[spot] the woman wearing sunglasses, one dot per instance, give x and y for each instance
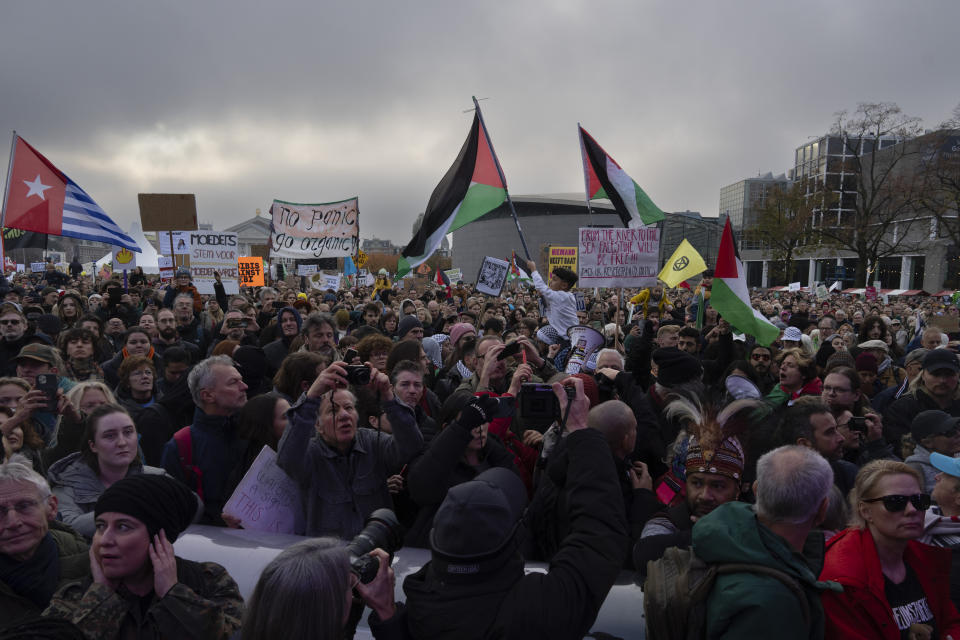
(893, 586)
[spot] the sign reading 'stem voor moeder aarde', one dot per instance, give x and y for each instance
(328, 230)
(214, 252)
(618, 257)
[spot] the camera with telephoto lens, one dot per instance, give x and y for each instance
(358, 374)
(382, 531)
(538, 402)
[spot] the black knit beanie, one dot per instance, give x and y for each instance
(158, 501)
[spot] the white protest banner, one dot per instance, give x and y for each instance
(618, 257)
(181, 242)
(822, 293)
(454, 275)
(306, 269)
(88, 268)
(266, 499)
(793, 286)
(493, 273)
(328, 230)
(369, 280)
(835, 286)
(214, 251)
(38, 267)
(332, 282)
(123, 259)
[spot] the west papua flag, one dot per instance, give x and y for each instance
(41, 198)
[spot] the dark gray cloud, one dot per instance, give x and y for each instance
(243, 102)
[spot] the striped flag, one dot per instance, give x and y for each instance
(41, 198)
(470, 189)
(517, 272)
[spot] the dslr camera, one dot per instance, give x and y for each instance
(538, 402)
(358, 375)
(383, 531)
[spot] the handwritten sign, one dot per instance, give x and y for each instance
(214, 251)
(561, 257)
(266, 499)
(329, 230)
(454, 275)
(165, 264)
(250, 272)
(618, 257)
(306, 269)
(793, 286)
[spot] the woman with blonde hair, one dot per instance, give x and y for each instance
(893, 586)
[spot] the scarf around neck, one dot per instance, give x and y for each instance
(35, 579)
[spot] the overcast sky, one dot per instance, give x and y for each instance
(242, 102)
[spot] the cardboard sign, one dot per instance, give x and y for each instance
(167, 211)
(266, 499)
(332, 282)
(306, 269)
(214, 251)
(492, 276)
(793, 286)
(181, 242)
(123, 259)
(947, 324)
(455, 275)
(361, 260)
(250, 272)
(37, 267)
(618, 257)
(561, 257)
(329, 230)
(165, 264)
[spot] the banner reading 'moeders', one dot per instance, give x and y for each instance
(618, 257)
(328, 230)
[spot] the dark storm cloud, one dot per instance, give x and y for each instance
(244, 102)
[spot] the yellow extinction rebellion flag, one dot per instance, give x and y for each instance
(684, 263)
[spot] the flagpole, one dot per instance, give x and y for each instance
(586, 180)
(496, 161)
(6, 197)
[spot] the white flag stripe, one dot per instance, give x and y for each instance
(624, 186)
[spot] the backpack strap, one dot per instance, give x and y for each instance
(184, 440)
(787, 580)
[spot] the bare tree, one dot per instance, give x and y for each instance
(876, 198)
(783, 227)
(941, 173)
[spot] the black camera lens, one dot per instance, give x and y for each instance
(382, 531)
(358, 375)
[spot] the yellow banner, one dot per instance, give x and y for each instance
(561, 257)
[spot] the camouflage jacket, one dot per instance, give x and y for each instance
(204, 604)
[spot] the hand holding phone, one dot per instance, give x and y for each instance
(49, 383)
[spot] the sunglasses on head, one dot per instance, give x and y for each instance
(897, 503)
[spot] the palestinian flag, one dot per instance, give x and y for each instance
(443, 281)
(471, 188)
(517, 273)
(605, 179)
(729, 296)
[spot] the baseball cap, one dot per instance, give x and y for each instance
(916, 354)
(950, 466)
(941, 359)
(38, 352)
(478, 519)
(932, 422)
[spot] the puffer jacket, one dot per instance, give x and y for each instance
(861, 611)
(78, 487)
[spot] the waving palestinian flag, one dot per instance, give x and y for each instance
(605, 179)
(471, 188)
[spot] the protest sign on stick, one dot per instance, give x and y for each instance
(214, 251)
(561, 257)
(618, 257)
(266, 498)
(328, 230)
(250, 272)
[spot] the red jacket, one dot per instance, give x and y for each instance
(862, 610)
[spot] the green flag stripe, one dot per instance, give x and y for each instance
(479, 200)
(648, 211)
(740, 314)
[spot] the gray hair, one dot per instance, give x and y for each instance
(265, 290)
(201, 376)
(614, 352)
(301, 593)
(19, 469)
(188, 296)
(317, 320)
(792, 482)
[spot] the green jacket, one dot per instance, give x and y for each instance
(74, 565)
(747, 605)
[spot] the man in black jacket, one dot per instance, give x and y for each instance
(475, 586)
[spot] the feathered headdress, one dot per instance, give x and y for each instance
(711, 438)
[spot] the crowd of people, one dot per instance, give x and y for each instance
(818, 473)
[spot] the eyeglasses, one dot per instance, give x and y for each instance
(827, 389)
(759, 356)
(24, 508)
(897, 503)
